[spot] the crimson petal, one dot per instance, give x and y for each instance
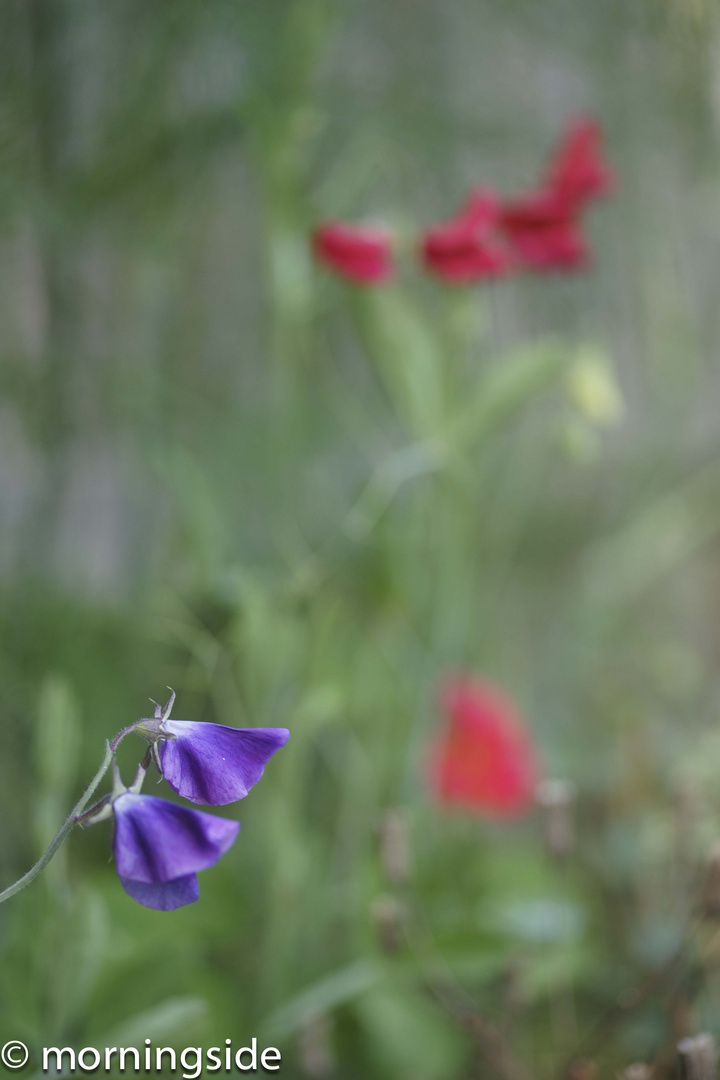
(362, 254)
(484, 761)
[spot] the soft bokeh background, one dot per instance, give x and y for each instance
(224, 471)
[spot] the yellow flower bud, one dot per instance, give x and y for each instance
(593, 389)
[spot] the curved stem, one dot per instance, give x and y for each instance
(70, 821)
(121, 735)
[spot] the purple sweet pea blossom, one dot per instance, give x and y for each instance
(212, 764)
(159, 847)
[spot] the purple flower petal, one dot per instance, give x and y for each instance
(157, 841)
(163, 896)
(213, 764)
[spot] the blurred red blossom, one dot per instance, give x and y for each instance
(487, 238)
(543, 226)
(577, 170)
(362, 254)
(467, 247)
(544, 232)
(485, 760)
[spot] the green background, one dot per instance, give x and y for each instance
(302, 504)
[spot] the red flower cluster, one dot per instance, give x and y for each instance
(544, 227)
(484, 761)
(490, 237)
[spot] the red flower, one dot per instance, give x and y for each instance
(466, 248)
(544, 232)
(359, 253)
(485, 760)
(543, 227)
(577, 170)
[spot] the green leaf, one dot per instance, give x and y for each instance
(328, 993)
(157, 1024)
(508, 387)
(57, 746)
(161, 1022)
(71, 971)
(57, 739)
(407, 355)
(408, 1036)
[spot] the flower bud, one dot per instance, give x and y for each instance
(388, 916)
(395, 852)
(556, 798)
(593, 390)
(637, 1071)
(513, 985)
(710, 896)
(583, 1070)
(315, 1050)
(362, 254)
(700, 1055)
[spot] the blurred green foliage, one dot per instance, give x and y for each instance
(301, 504)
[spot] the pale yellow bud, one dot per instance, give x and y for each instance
(593, 389)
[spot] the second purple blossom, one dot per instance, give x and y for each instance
(159, 848)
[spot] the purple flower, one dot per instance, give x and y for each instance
(159, 847)
(213, 764)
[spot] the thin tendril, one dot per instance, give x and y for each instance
(70, 821)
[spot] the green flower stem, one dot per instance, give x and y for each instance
(70, 821)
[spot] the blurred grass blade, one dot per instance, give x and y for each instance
(512, 383)
(328, 993)
(161, 1022)
(73, 967)
(57, 747)
(198, 506)
(408, 357)
(409, 1036)
(657, 541)
(420, 459)
(57, 738)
